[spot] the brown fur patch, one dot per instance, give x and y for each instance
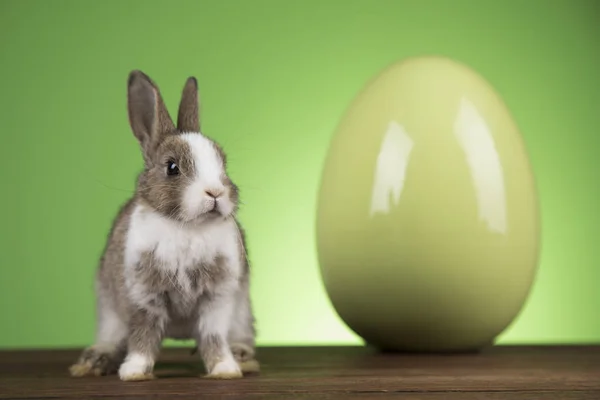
(199, 279)
(97, 362)
(193, 276)
(188, 118)
(162, 192)
(146, 333)
(211, 350)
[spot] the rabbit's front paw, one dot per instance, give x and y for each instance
(137, 367)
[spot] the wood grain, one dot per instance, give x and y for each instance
(501, 372)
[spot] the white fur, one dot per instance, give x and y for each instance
(226, 367)
(135, 364)
(216, 315)
(240, 331)
(111, 328)
(177, 246)
(209, 169)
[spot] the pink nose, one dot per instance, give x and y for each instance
(214, 193)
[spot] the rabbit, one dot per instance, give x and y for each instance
(175, 264)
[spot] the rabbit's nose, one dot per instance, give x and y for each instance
(213, 192)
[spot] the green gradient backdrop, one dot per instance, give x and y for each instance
(275, 77)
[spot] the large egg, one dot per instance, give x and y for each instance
(427, 221)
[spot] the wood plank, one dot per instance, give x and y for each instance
(593, 395)
(515, 372)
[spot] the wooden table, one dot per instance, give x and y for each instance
(326, 373)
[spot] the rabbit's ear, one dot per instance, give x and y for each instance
(188, 118)
(148, 116)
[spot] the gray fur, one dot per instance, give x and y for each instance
(172, 304)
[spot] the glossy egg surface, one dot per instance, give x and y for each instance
(427, 220)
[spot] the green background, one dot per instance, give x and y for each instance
(275, 77)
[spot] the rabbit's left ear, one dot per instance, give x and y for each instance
(188, 118)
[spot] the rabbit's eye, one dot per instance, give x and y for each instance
(172, 168)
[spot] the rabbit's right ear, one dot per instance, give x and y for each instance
(188, 117)
(148, 116)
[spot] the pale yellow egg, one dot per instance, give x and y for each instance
(428, 222)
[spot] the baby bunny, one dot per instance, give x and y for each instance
(175, 264)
